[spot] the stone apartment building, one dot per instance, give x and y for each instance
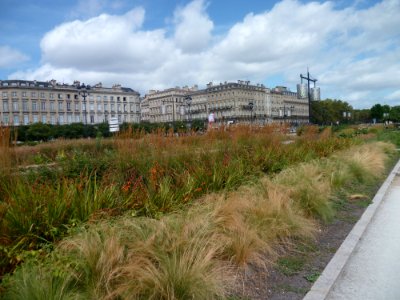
(26, 102)
(233, 102)
(168, 105)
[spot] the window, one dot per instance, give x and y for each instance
(105, 106)
(14, 94)
(68, 106)
(15, 106)
(125, 107)
(43, 106)
(60, 96)
(16, 120)
(76, 97)
(98, 106)
(91, 106)
(69, 119)
(34, 106)
(76, 106)
(5, 95)
(112, 107)
(77, 118)
(83, 106)
(119, 119)
(33, 94)
(118, 98)
(44, 119)
(51, 96)
(105, 98)
(26, 119)
(42, 95)
(35, 119)
(91, 119)
(25, 105)
(98, 98)
(5, 106)
(6, 119)
(52, 107)
(61, 119)
(124, 99)
(91, 97)
(24, 94)
(112, 98)
(68, 96)
(119, 107)
(53, 119)
(60, 106)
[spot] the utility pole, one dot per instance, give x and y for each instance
(308, 78)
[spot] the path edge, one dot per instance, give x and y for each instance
(327, 279)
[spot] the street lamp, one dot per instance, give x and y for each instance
(83, 90)
(188, 100)
(251, 106)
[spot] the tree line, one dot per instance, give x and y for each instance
(333, 111)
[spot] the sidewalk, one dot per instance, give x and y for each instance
(367, 265)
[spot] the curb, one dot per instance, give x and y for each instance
(327, 279)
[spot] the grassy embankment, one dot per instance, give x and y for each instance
(186, 253)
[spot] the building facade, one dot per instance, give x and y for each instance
(169, 105)
(27, 102)
(242, 102)
(230, 102)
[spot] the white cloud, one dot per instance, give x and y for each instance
(354, 53)
(193, 27)
(10, 56)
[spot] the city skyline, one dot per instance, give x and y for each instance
(351, 47)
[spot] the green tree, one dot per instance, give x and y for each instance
(330, 111)
(394, 114)
(377, 112)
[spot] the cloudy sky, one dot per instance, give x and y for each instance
(352, 47)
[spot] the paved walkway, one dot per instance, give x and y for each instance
(373, 270)
(367, 265)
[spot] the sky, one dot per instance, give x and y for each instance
(352, 47)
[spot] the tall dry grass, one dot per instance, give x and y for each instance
(194, 253)
(7, 152)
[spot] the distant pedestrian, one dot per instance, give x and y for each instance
(211, 120)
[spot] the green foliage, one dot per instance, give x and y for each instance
(290, 265)
(45, 132)
(327, 112)
(36, 282)
(377, 112)
(312, 277)
(198, 125)
(38, 132)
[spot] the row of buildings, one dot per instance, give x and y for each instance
(26, 102)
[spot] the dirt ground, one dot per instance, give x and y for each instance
(293, 275)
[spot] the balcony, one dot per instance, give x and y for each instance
(222, 108)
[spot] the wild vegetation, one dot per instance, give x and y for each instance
(164, 217)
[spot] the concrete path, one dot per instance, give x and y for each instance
(367, 265)
(373, 270)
